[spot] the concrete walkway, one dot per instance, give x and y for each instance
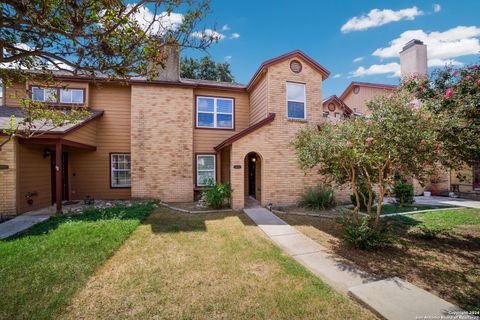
(389, 299)
(28, 219)
(306, 251)
(23, 222)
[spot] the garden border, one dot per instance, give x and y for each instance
(164, 204)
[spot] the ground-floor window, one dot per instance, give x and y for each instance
(205, 169)
(120, 168)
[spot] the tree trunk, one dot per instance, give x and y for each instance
(355, 192)
(381, 194)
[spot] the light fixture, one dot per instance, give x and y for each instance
(254, 159)
(47, 153)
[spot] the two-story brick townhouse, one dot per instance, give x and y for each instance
(164, 138)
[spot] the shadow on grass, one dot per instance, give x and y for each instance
(167, 220)
(444, 265)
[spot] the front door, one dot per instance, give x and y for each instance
(251, 175)
(476, 177)
(64, 176)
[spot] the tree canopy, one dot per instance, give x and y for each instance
(115, 38)
(206, 69)
(453, 96)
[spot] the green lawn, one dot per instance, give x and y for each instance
(41, 269)
(205, 266)
(393, 208)
(444, 219)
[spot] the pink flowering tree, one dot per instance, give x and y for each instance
(397, 136)
(453, 97)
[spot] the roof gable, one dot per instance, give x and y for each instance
(296, 53)
(365, 84)
(339, 101)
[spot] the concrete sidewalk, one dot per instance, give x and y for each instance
(306, 251)
(436, 201)
(389, 299)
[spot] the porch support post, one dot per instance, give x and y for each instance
(58, 176)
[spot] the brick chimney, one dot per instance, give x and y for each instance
(413, 59)
(171, 69)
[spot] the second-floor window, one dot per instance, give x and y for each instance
(58, 95)
(44, 94)
(71, 96)
(215, 112)
(296, 101)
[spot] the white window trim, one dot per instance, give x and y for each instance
(304, 100)
(112, 170)
(71, 96)
(214, 169)
(215, 126)
(44, 94)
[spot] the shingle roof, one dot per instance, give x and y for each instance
(6, 112)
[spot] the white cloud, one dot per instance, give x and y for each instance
(225, 27)
(392, 68)
(437, 7)
(163, 21)
(338, 75)
(235, 35)
(444, 62)
(228, 58)
(208, 33)
(358, 59)
(377, 17)
(452, 43)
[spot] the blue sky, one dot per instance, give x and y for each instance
(267, 29)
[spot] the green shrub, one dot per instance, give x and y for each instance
(216, 195)
(317, 198)
(430, 233)
(404, 194)
(364, 236)
(363, 195)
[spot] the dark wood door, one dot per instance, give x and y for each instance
(476, 177)
(64, 177)
(251, 176)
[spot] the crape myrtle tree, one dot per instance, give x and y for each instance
(453, 96)
(397, 136)
(94, 38)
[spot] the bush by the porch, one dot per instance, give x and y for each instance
(217, 195)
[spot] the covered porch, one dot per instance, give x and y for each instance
(44, 170)
(244, 166)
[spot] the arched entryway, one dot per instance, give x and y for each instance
(253, 178)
